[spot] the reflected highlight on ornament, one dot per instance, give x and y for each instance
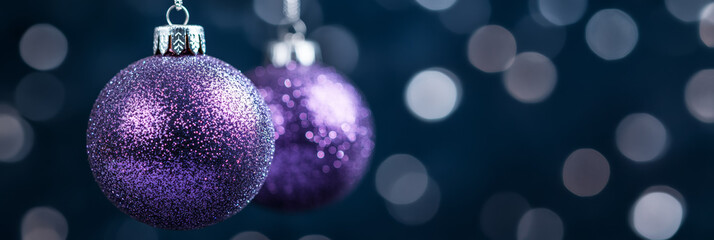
(586, 172)
(338, 45)
(699, 95)
(686, 10)
(420, 211)
(436, 5)
(39, 96)
(492, 48)
(501, 213)
(535, 37)
(656, 215)
(562, 12)
(16, 136)
(43, 223)
(641, 137)
(43, 47)
(433, 94)
(401, 179)
(540, 224)
(611, 34)
(250, 235)
(466, 15)
(531, 78)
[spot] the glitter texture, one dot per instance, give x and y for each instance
(324, 136)
(180, 142)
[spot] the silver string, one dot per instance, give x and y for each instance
(291, 10)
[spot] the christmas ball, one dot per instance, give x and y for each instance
(180, 142)
(324, 136)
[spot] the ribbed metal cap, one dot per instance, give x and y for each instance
(179, 40)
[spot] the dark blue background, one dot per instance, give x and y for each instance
(492, 142)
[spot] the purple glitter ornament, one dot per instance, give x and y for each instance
(180, 142)
(324, 135)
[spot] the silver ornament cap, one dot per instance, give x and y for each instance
(179, 40)
(293, 47)
(304, 52)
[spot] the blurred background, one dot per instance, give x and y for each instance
(496, 119)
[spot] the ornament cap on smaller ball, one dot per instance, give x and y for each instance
(293, 48)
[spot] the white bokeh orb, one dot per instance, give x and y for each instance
(433, 94)
(492, 48)
(699, 95)
(586, 172)
(531, 78)
(43, 47)
(40, 222)
(611, 34)
(540, 224)
(641, 137)
(562, 12)
(401, 179)
(657, 216)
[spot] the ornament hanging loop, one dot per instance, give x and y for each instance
(297, 30)
(177, 7)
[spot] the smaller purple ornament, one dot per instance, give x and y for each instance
(324, 136)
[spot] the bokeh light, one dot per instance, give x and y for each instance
(339, 47)
(657, 215)
(535, 37)
(611, 34)
(421, 211)
(500, 215)
(401, 179)
(706, 25)
(492, 48)
(42, 234)
(540, 224)
(586, 172)
(686, 10)
(16, 135)
(12, 138)
(562, 12)
(39, 96)
(436, 5)
(699, 95)
(668, 190)
(43, 47)
(130, 229)
(466, 15)
(641, 137)
(314, 237)
(250, 235)
(433, 94)
(531, 78)
(44, 223)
